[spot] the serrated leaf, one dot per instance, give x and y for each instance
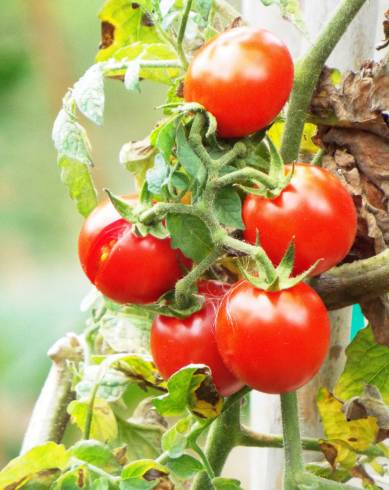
(131, 76)
(228, 208)
(189, 234)
(70, 138)
(95, 453)
(45, 457)
(175, 440)
(157, 176)
(220, 483)
(188, 158)
(141, 440)
(367, 363)
(104, 427)
(184, 467)
(190, 388)
(344, 437)
(77, 178)
(88, 94)
(125, 22)
(164, 135)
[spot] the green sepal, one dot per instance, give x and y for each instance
(166, 306)
(125, 210)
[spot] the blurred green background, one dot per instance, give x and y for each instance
(46, 46)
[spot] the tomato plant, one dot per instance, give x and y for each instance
(243, 77)
(275, 341)
(314, 209)
(175, 342)
(125, 267)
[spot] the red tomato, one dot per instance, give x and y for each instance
(315, 209)
(175, 342)
(124, 267)
(273, 341)
(243, 77)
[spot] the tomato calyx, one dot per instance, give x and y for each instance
(277, 174)
(277, 278)
(132, 214)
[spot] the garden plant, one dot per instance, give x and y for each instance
(261, 204)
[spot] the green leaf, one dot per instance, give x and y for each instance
(142, 440)
(143, 474)
(188, 158)
(70, 138)
(73, 479)
(203, 7)
(290, 10)
(229, 208)
(111, 387)
(125, 22)
(189, 234)
(190, 388)
(164, 135)
(88, 94)
(95, 453)
(175, 440)
(104, 426)
(77, 178)
(157, 176)
(101, 484)
(220, 483)
(367, 363)
(131, 77)
(137, 157)
(45, 457)
(184, 467)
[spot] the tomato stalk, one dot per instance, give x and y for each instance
(312, 481)
(307, 75)
(181, 33)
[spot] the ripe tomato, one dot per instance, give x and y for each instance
(273, 341)
(175, 342)
(243, 77)
(315, 209)
(124, 267)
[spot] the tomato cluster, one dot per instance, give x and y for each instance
(273, 340)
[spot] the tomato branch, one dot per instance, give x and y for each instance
(349, 283)
(307, 75)
(250, 438)
(243, 175)
(313, 481)
(181, 33)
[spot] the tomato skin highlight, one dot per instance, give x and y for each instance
(175, 342)
(315, 209)
(243, 77)
(273, 341)
(124, 267)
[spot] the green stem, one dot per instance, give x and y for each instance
(204, 460)
(317, 482)
(318, 158)
(292, 440)
(238, 150)
(181, 33)
(249, 438)
(254, 251)
(222, 438)
(184, 285)
(158, 211)
(243, 175)
(308, 73)
(89, 414)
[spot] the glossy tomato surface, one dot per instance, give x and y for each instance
(315, 209)
(243, 77)
(273, 341)
(175, 342)
(124, 267)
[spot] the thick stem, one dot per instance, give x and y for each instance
(249, 438)
(49, 417)
(349, 283)
(222, 438)
(292, 440)
(307, 75)
(181, 33)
